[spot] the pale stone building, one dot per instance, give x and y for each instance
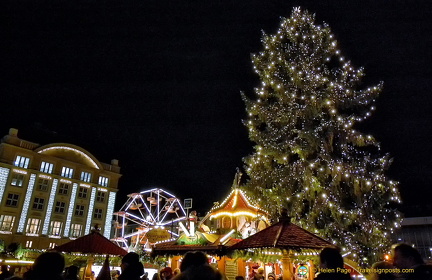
(53, 193)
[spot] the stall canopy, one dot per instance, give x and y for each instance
(93, 243)
(282, 235)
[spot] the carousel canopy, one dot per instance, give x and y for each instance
(237, 204)
(93, 243)
(282, 235)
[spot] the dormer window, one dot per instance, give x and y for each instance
(103, 181)
(46, 167)
(67, 172)
(21, 161)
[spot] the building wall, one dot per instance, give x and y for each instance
(417, 231)
(50, 194)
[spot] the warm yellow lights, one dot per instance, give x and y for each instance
(16, 262)
(235, 214)
(89, 159)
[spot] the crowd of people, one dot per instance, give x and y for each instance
(407, 264)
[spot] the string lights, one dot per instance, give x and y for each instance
(308, 158)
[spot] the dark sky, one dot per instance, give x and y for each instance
(156, 84)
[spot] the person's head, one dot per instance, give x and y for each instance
(72, 270)
(194, 258)
(4, 268)
(239, 278)
(261, 270)
(51, 263)
(382, 271)
(405, 256)
(330, 257)
(130, 259)
(166, 272)
(271, 276)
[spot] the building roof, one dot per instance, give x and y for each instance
(93, 243)
(282, 235)
(70, 152)
(172, 248)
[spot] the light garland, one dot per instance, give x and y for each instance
(50, 206)
(93, 163)
(90, 211)
(4, 173)
(109, 214)
(19, 171)
(70, 210)
(26, 205)
(236, 214)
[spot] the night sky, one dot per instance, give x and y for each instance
(156, 84)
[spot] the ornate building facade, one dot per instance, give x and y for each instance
(53, 193)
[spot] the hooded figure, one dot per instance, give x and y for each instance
(132, 268)
(105, 273)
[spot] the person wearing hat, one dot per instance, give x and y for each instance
(260, 274)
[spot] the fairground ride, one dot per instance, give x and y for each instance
(153, 210)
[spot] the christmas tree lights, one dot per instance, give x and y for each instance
(308, 157)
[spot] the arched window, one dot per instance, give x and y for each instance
(226, 222)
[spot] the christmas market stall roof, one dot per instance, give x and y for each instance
(282, 235)
(215, 245)
(93, 243)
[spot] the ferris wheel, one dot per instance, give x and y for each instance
(144, 211)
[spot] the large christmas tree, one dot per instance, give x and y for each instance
(308, 157)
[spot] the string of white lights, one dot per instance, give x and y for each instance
(109, 214)
(50, 206)
(70, 209)
(90, 211)
(4, 173)
(71, 149)
(26, 204)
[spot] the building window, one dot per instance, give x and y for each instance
(100, 196)
(38, 203)
(82, 192)
(76, 230)
(52, 245)
(97, 214)
(103, 181)
(6, 222)
(43, 184)
(17, 179)
(55, 228)
(46, 167)
(79, 210)
(60, 207)
(67, 172)
(21, 161)
(12, 200)
(29, 243)
(33, 226)
(86, 177)
(63, 188)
